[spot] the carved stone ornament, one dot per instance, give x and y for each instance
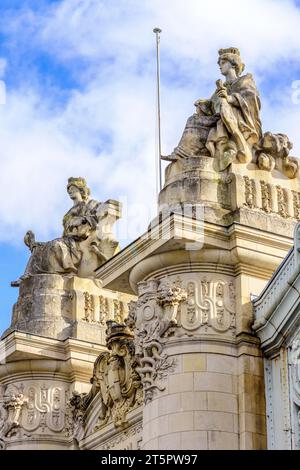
(271, 198)
(119, 442)
(176, 307)
(115, 382)
(156, 314)
(32, 408)
(209, 307)
(273, 152)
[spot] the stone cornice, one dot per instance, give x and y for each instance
(22, 353)
(249, 250)
(276, 310)
(108, 434)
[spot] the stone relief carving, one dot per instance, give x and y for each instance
(115, 382)
(282, 201)
(11, 404)
(89, 307)
(271, 197)
(210, 306)
(172, 308)
(296, 204)
(119, 313)
(87, 240)
(227, 126)
(32, 408)
(249, 192)
(156, 314)
(99, 309)
(266, 196)
(45, 409)
(103, 310)
(169, 296)
(273, 152)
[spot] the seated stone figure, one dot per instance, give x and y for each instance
(87, 240)
(226, 126)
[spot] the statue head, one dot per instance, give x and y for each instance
(78, 185)
(232, 55)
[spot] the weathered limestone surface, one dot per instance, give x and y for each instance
(164, 328)
(58, 329)
(60, 307)
(37, 377)
(112, 405)
(226, 217)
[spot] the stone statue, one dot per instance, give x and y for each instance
(226, 126)
(87, 240)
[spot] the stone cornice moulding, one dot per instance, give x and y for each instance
(47, 355)
(233, 245)
(108, 433)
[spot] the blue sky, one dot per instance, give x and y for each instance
(80, 80)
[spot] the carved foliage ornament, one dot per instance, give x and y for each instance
(12, 402)
(156, 314)
(166, 308)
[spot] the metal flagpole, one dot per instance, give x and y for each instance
(157, 32)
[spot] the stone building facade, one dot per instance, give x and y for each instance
(181, 339)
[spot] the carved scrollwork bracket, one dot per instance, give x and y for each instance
(156, 317)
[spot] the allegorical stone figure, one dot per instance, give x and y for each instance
(87, 240)
(226, 126)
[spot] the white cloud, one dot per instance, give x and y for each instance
(105, 131)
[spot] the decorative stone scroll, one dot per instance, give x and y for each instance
(32, 408)
(156, 314)
(174, 307)
(209, 308)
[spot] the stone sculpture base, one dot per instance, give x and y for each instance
(60, 307)
(243, 194)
